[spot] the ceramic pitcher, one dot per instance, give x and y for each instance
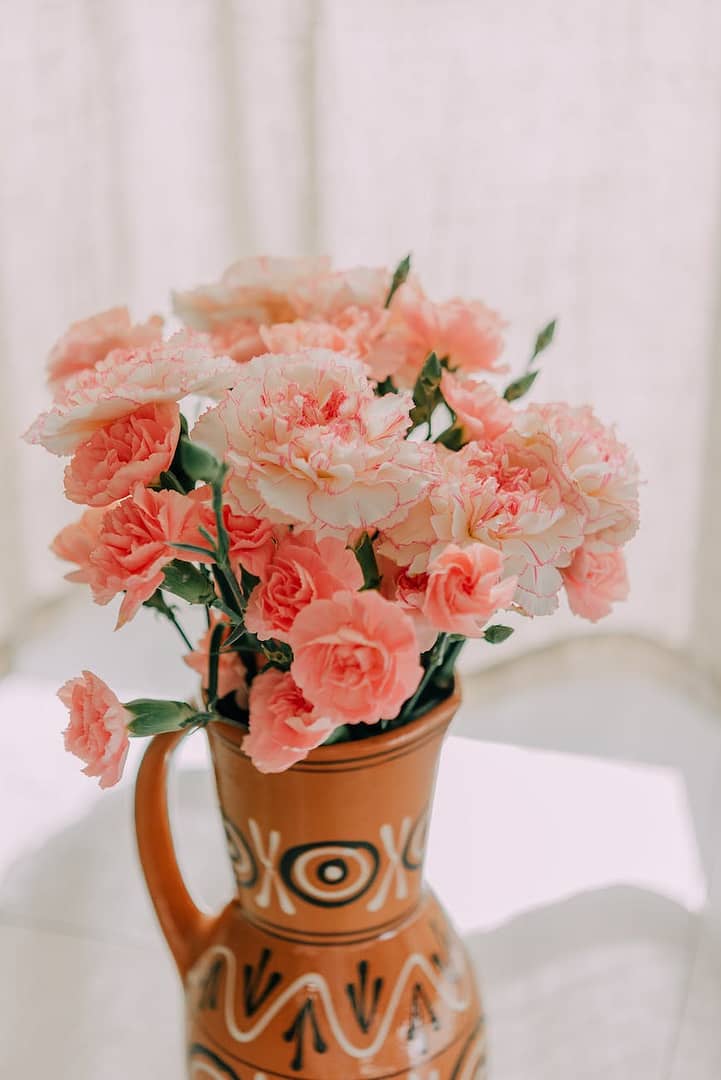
(333, 961)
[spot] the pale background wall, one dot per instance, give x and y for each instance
(555, 159)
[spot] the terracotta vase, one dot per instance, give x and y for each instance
(333, 961)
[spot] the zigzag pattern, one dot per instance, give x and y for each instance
(315, 981)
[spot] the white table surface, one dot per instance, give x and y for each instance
(592, 904)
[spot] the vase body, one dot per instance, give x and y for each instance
(333, 961)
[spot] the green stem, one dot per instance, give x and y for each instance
(435, 660)
(186, 640)
(158, 603)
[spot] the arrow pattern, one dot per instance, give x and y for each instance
(363, 1009)
(296, 1032)
(254, 994)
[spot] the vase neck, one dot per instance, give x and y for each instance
(332, 849)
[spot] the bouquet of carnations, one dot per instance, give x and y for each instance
(354, 500)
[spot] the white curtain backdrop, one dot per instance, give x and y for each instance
(555, 159)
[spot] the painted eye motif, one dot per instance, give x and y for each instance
(244, 865)
(331, 873)
(415, 846)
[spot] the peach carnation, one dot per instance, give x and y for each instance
(135, 544)
(343, 311)
(512, 495)
(124, 381)
(89, 341)
(284, 726)
(76, 542)
(232, 671)
(240, 340)
(453, 508)
(356, 657)
(302, 569)
(98, 729)
(308, 442)
(594, 581)
(133, 449)
(481, 413)
(330, 295)
(515, 497)
(601, 467)
(354, 331)
(464, 589)
(252, 291)
(252, 541)
(465, 331)
(408, 591)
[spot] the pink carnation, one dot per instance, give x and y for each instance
(136, 543)
(252, 291)
(481, 413)
(465, 588)
(231, 669)
(356, 657)
(465, 331)
(284, 726)
(601, 467)
(133, 449)
(76, 542)
(308, 442)
(98, 729)
(303, 569)
(89, 341)
(123, 382)
(594, 581)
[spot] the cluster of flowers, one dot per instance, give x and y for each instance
(352, 505)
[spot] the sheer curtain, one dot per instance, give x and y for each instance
(553, 159)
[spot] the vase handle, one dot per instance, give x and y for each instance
(186, 928)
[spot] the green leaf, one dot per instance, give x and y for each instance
(520, 386)
(153, 715)
(366, 557)
(339, 734)
(228, 596)
(387, 386)
(452, 438)
(400, 274)
(427, 391)
(495, 634)
(248, 582)
(169, 482)
(187, 581)
(543, 339)
(199, 463)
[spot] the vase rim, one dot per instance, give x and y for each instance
(385, 744)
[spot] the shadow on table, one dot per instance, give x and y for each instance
(85, 880)
(592, 986)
